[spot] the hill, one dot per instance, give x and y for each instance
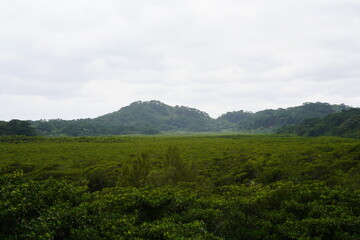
(273, 119)
(157, 115)
(140, 117)
(345, 124)
(16, 127)
(153, 117)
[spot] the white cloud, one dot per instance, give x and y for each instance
(84, 57)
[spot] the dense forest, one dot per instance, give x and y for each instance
(139, 117)
(17, 127)
(273, 119)
(154, 117)
(345, 123)
(190, 187)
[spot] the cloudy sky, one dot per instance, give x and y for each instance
(75, 59)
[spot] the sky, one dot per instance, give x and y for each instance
(85, 58)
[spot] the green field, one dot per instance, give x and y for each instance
(180, 187)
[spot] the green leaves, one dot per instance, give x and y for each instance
(345, 123)
(58, 210)
(218, 187)
(136, 173)
(17, 127)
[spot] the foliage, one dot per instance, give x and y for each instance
(137, 118)
(59, 210)
(169, 187)
(345, 123)
(154, 117)
(273, 119)
(16, 127)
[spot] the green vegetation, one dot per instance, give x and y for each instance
(155, 117)
(16, 127)
(193, 187)
(345, 124)
(138, 118)
(273, 119)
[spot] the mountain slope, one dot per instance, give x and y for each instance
(345, 123)
(161, 116)
(153, 117)
(139, 117)
(273, 119)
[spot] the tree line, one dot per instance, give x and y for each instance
(155, 117)
(345, 124)
(17, 127)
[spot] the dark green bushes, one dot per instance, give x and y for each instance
(59, 210)
(233, 187)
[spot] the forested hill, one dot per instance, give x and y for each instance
(345, 123)
(16, 127)
(273, 119)
(157, 115)
(153, 117)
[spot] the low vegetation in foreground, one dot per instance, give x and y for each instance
(190, 187)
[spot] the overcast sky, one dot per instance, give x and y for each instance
(85, 58)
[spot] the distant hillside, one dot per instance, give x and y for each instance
(16, 127)
(156, 114)
(345, 123)
(273, 119)
(150, 117)
(153, 117)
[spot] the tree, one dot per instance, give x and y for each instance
(174, 165)
(16, 127)
(137, 172)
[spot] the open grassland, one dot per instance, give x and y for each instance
(180, 187)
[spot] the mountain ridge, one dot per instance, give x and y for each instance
(345, 124)
(154, 117)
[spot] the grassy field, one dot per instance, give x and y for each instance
(180, 187)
